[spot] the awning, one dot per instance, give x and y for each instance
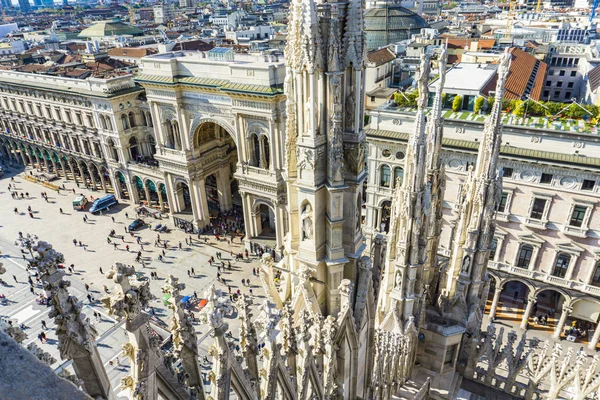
(186, 299)
(166, 298)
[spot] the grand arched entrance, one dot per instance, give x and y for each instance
(219, 201)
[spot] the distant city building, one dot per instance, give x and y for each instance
(24, 6)
(186, 3)
(389, 24)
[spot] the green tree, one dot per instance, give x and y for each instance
(478, 104)
(457, 103)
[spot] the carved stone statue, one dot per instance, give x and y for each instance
(307, 224)
(466, 264)
(350, 111)
(307, 114)
(398, 280)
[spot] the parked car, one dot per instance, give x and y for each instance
(138, 223)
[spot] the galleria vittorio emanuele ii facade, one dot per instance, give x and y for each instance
(391, 244)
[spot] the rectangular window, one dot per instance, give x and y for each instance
(449, 356)
(573, 73)
(562, 265)
(546, 93)
(508, 172)
(588, 184)
(551, 72)
(548, 83)
(577, 216)
(559, 84)
(502, 204)
(556, 94)
(567, 95)
(546, 178)
(537, 211)
(570, 85)
(562, 72)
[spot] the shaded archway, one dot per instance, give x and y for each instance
(138, 185)
(508, 300)
(182, 197)
(266, 220)
(152, 193)
(108, 186)
(163, 198)
(212, 194)
(121, 183)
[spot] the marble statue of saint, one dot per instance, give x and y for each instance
(466, 264)
(307, 227)
(307, 114)
(398, 280)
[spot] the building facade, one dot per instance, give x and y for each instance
(219, 136)
(546, 238)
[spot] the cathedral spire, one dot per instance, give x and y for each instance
(400, 291)
(476, 224)
(435, 178)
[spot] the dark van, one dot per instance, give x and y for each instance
(103, 203)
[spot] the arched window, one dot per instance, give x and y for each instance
(176, 134)
(596, 276)
(133, 147)
(143, 115)
(124, 122)
(149, 119)
(169, 137)
(131, 119)
(266, 155)
(525, 253)
(562, 265)
(398, 175)
(493, 248)
(112, 151)
(256, 147)
(108, 123)
(385, 176)
(103, 121)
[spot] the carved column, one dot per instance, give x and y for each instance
(76, 337)
(594, 342)
(527, 312)
(495, 301)
(561, 322)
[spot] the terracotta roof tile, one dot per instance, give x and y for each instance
(381, 56)
(461, 43)
(130, 52)
(526, 76)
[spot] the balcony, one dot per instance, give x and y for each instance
(536, 223)
(579, 232)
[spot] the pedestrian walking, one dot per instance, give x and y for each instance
(193, 272)
(243, 282)
(164, 254)
(141, 247)
(30, 215)
(126, 216)
(179, 245)
(108, 240)
(75, 242)
(87, 287)
(102, 272)
(15, 278)
(31, 290)
(115, 246)
(61, 211)
(106, 289)
(113, 219)
(84, 220)
(80, 244)
(89, 297)
(73, 190)
(41, 338)
(44, 324)
(127, 247)
(188, 271)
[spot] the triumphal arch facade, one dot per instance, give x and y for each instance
(219, 133)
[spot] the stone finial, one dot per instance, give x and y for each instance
(345, 289)
(267, 321)
(127, 301)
